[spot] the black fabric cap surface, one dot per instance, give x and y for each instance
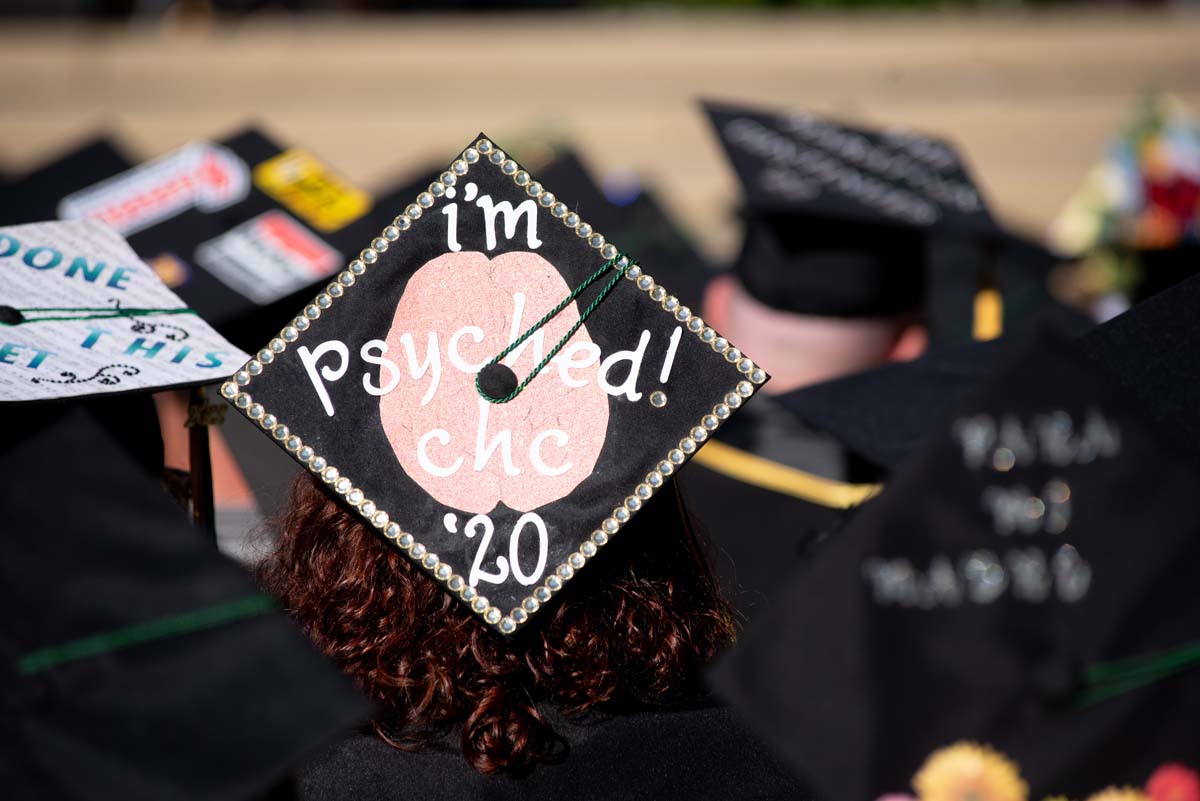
(95, 547)
(907, 669)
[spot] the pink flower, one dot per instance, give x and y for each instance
(1174, 782)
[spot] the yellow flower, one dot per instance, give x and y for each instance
(1119, 794)
(970, 772)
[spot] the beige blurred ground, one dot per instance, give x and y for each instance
(1031, 98)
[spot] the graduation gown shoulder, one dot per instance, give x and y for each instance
(690, 754)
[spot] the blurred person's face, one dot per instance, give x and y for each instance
(801, 349)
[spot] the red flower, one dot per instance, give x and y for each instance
(1174, 782)
(1180, 197)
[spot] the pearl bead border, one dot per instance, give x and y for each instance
(484, 152)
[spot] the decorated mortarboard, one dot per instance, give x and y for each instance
(132, 651)
(844, 221)
(494, 386)
(80, 314)
(35, 195)
(631, 215)
(234, 226)
(797, 162)
(1027, 582)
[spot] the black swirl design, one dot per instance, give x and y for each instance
(101, 376)
(143, 327)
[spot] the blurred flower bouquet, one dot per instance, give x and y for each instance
(1144, 197)
(970, 772)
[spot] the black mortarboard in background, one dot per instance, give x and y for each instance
(640, 223)
(885, 415)
(848, 222)
(1016, 586)
(243, 229)
(409, 386)
(235, 226)
(1165, 267)
(1152, 350)
(137, 663)
(34, 196)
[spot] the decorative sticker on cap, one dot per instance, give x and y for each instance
(311, 191)
(268, 257)
(200, 176)
(171, 269)
(81, 315)
(465, 388)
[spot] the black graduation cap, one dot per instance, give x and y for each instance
(845, 221)
(494, 385)
(639, 222)
(135, 661)
(35, 195)
(1028, 583)
(885, 415)
(1151, 351)
(234, 226)
(798, 162)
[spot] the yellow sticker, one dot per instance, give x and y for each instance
(171, 270)
(311, 191)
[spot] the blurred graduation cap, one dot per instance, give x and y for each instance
(637, 220)
(1150, 351)
(849, 222)
(996, 592)
(234, 226)
(1137, 215)
(137, 663)
(494, 386)
(34, 196)
(887, 414)
(243, 229)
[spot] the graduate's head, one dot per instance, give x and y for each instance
(851, 232)
(634, 629)
(818, 299)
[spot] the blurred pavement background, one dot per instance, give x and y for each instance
(1032, 97)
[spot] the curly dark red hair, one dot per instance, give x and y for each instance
(634, 629)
